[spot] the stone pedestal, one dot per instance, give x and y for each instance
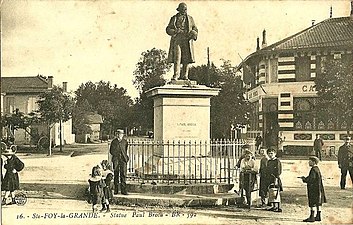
(182, 111)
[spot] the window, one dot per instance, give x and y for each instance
(285, 95)
(9, 104)
(302, 68)
(285, 103)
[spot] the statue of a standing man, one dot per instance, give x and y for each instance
(183, 32)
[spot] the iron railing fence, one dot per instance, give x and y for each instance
(183, 162)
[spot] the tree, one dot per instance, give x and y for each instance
(149, 72)
(55, 106)
(229, 108)
(110, 101)
(205, 75)
(78, 122)
(15, 121)
(335, 92)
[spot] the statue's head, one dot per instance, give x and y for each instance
(182, 8)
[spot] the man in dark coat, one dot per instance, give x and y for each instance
(183, 32)
(318, 143)
(118, 150)
(315, 189)
(345, 161)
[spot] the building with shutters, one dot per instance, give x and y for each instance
(281, 88)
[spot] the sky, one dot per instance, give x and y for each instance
(81, 41)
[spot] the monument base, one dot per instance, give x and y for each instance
(182, 111)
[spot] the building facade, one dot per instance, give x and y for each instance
(281, 87)
(22, 93)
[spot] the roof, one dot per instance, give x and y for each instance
(93, 118)
(332, 32)
(34, 84)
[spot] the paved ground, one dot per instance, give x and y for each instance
(53, 208)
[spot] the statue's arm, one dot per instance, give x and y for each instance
(171, 29)
(194, 31)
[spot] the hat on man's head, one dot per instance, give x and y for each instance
(347, 138)
(314, 159)
(120, 131)
(181, 5)
(9, 151)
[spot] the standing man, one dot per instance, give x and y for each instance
(118, 150)
(183, 32)
(345, 161)
(318, 143)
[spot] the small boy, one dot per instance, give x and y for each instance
(316, 192)
(248, 173)
(263, 176)
(274, 170)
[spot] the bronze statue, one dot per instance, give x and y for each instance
(183, 32)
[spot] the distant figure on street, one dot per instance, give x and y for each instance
(183, 32)
(258, 142)
(11, 181)
(345, 161)
(118, 150)
(318, 143)
(315, 189)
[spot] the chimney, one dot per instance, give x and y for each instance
(50, 82)
(64, 86)
(264, 43)
(312, 22)
(331, 11)
(351, 9)
(258, 44)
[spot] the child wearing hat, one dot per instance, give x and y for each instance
(11, 181)
(248, 175)
(315, 188)
(96, 185)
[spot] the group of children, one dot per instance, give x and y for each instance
(100, 186)
(270, 182)
(271, 185)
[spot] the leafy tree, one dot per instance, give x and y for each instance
(335, 92)
(150, 69)
(15, 121)
(78, 123)
(110, 101)
(229, 107)
(149, 72)
(55, 107)
(205, 75)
